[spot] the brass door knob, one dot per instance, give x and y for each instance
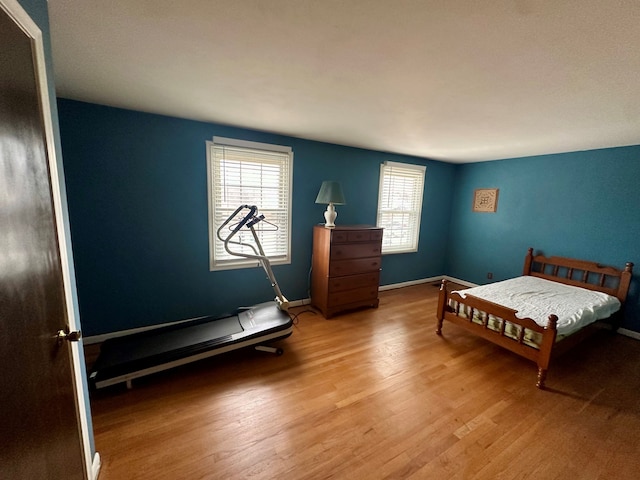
(68, 336)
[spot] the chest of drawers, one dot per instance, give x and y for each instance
(346, 268)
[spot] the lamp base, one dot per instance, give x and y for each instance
(330, 216)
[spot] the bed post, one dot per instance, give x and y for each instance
(544, 354)
(625, 280)
(623, 288)
(442, 300)
(528, 262)
(542, 377)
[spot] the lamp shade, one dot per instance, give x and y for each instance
(331, 192)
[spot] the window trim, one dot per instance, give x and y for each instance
(418, 213)
(232, 142)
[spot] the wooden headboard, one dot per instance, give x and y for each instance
(580, 273)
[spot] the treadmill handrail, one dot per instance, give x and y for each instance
(249, 220)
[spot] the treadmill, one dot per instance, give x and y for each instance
(126, 358)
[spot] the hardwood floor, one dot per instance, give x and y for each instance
(377, 394)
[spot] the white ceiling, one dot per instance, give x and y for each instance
(454, 80)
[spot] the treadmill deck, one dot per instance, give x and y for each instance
(124, 358)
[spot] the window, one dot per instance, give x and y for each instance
(400, 205)
(239, 173)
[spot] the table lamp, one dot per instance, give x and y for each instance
(331, 194)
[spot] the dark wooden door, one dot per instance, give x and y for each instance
(39, 424)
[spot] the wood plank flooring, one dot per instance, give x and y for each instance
(377, 394)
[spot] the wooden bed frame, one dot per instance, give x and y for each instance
(569, 271)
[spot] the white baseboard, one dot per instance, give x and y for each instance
(298, 303)
(411, 283)
(95, 466)
(629, 333)
(461, 282)
(437, 279)
(121, 333)
(93, 339)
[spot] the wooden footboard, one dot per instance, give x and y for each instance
(491, 321)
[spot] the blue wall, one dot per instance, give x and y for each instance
(137, 191)
(138, 205)
(582, 204)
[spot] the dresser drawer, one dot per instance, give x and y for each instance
(352, 267)
(337, 284)
(354, 296)
(355, 250)
(359, 236)
(338, 236)
(354, 236)
(376, 235)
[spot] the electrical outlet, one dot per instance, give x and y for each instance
(489, 275)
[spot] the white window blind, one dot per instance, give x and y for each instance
(400, 206)
(249, 173)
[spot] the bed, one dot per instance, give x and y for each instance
(543, 313)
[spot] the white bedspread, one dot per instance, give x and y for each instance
(537, 298)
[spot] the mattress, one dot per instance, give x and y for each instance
(537, 298)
